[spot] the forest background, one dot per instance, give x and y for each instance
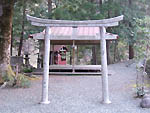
(133, 31)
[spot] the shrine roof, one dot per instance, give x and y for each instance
(82, 33)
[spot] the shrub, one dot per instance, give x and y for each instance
(22, 81)
(27, 70)
(14, 80)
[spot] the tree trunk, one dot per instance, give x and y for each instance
(6, 13)
(11, 48)
(115, 49)
(100, 2)
(94, 61)
(91, 1)
(108, 51)
(49, 6)
(22, 32)
(131, 52)
(130, 3)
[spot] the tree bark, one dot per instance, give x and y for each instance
(22, 32)
(108, 51)
(94, 61)
(49, 6)
(115, 50)
(100, 2)
(11, 48)
(131, 52)
(6, 13)
(130, 3)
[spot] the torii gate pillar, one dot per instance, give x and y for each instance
(45, 79)
(105, 91)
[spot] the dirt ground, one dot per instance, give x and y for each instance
(77, 94)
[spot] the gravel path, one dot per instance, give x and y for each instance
(76, 94)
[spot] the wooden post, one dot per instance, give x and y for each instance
(46, 67)
(94, 58)
(77, 54)
(105, 91)
(108, 51)
(53, 55)
(73, 57)
(70, 55)
(73, 37)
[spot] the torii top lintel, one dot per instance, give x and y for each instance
(68, 23)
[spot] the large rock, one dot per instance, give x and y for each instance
(148, 67)
(145, 103)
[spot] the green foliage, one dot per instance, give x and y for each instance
(122, 50)
(18, 18)
(8, 77)
(133, 30)
(128, 28)
(22, 81)
(27, 70)
(76, 10)
(13, 80)
(143, 42)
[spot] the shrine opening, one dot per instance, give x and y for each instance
(74, 37)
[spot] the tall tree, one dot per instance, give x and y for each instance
(21, 28)
(131, 50)
(6, 13)
(132, 10)
(23, 25)
(49, 6)
(100, 2)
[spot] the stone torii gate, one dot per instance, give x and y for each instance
(102, 24)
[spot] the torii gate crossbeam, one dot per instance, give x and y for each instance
(102, 24)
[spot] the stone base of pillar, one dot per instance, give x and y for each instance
(44, 102)
(106, 102)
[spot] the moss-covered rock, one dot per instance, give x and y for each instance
(8, 76)
(14, 80)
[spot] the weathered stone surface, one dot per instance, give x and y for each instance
(145, 103)
(148, 67)
(16, 60)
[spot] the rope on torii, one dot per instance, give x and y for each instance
(102, 24)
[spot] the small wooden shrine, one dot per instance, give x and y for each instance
(64, 36)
